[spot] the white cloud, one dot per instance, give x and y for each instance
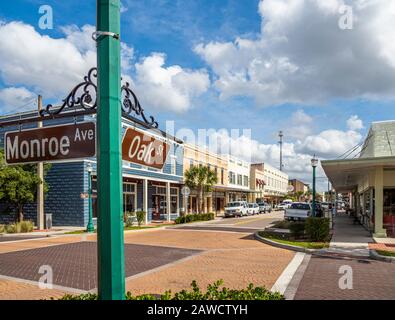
(50, 66)
(329, 143)
(302, 56)
(170, 88)
(300, 125)
(16, 99)
(354, 123)
(53, 67)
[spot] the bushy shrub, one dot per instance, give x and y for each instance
(214, 291)
(297, 229)
(195, 217)
(283, 224)
(140, 217)
(26, 226)
(317, 229)
(19, 227)
(2, 228)
(130, 219)
(13, 228)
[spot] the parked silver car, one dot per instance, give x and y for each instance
(264, 207)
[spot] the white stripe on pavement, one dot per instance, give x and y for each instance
(288, 273)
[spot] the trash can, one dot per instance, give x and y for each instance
(48, 220)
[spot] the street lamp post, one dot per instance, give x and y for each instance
(90, 227)
(314, 163)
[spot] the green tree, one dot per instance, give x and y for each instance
(201, 179)
(299, 195)
(18, 185)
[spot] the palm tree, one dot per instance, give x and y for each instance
(201, 179)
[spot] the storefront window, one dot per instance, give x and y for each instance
(389, 211)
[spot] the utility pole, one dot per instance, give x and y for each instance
(40, 173)
(280, 134)
(110, 238)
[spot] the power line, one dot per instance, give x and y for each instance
(32, 100)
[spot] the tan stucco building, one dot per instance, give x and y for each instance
(370, 179)
(268, 183)
(213, 201)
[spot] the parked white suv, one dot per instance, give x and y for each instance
(236, 209)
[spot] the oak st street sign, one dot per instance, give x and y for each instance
(56, 143)
(143, 149)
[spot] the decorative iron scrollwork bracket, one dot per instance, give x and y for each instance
(86, 99)
(85, 95)
(130, 105)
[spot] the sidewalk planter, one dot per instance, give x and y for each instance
(376, 256)
(283, 245)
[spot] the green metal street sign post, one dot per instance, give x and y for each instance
(111, 273)
(314, 164)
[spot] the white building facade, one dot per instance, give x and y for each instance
(238, 179)
(276, 184)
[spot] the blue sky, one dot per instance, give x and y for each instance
(258, 83)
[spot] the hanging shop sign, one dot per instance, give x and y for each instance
(48, 144)
(144, 149)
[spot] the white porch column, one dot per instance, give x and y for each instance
(168, 201)
(378, 204)
(145, 199)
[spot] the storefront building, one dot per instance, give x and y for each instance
(238, 188)
(215, 200)
(276, 184)
(257, 182)
(155, 191)
(370, 179)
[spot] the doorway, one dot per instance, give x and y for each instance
(129, 197)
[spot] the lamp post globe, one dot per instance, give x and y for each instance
(314, 164)
(90, 227)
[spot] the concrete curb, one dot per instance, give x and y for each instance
(284, 246)
(373, 254)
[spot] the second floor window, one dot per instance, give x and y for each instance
(232, 177)
(239, 179)
(173, 164)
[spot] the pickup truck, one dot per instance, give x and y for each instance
(236, 209)
(302, 210)
(298, 211)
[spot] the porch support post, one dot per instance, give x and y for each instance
(379, 232)
(168, 201)
(145, 199)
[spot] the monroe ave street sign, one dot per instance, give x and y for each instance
(140, 148)
(64, 142)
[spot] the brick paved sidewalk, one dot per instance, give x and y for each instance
(371, 279)
(235, 257)
(382, 246)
